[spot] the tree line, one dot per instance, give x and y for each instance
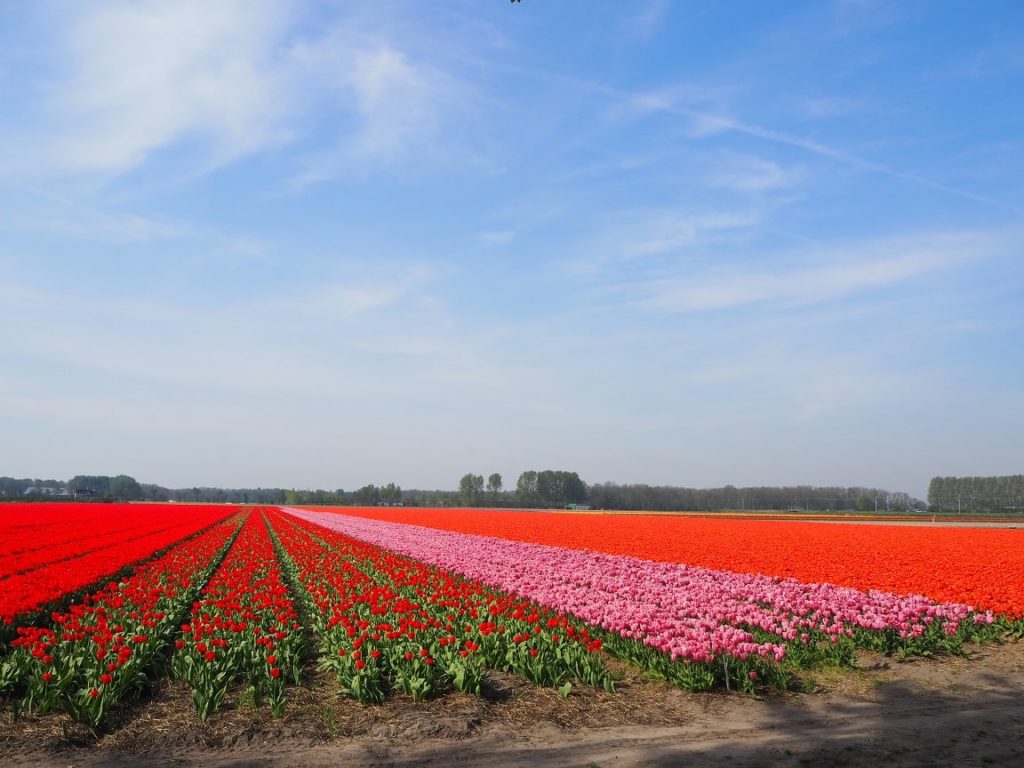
(534, 488)
(127, 488)
(799, 497)
(547, 488)
(973, 495)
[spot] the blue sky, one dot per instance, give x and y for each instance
(323, 245)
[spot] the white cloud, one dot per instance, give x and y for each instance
(349, 299)
(497, 237)
(704, 119)
(816, 278)
(653, 232)
(392, 107)
(701, 104)
(752, 174)
(34, 210)
(224, 80)
(97, 226)
(395, 100)
(644, 22)
(671, 231)
(147, 75)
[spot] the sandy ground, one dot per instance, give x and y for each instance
(959, 711)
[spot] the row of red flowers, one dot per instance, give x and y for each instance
(41, 533)
(28, 530)
(961, 565)
(37, 578)
(106, 645)
(245, 628)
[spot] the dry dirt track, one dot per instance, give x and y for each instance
(950, 711)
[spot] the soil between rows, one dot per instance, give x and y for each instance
(947, 711)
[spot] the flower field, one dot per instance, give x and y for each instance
(947, 564)
(51, 550)
(242, 602)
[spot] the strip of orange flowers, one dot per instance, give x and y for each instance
(976, 566)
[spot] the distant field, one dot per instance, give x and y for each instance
(965, 565)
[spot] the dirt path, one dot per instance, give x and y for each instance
(949, 711)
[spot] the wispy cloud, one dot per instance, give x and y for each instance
(644, 21)
(352, 297)
(644, 233)
(718, 123)
(143, 76)
(745, 173)
(217, 83)
(497, 237)
(96, 227)
(820, 277)
(393, 107)
(702, 121)
(35, 210)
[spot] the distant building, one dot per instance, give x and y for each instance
(45, 490)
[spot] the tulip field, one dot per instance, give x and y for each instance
(100, 601)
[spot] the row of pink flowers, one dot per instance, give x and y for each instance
(694, 614)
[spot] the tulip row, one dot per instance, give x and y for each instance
(706, 619)
(39, 578)
(384, 622)
(109, 643)
(947, 564)
(245, 628)
(27, 547)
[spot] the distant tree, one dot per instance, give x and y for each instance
(494, 484)
(124, 488)
(551, 487)
(573, 488)
(612, 496)
(391, 494)
(526, 487)
(967, 495)
(95, 485)
(368, 495)
(470, 488)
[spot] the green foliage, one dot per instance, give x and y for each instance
(973, 495)
(471, 488)
(550, 488)
(494, 484)
(782, 498)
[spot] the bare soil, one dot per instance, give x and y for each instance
(926, 712)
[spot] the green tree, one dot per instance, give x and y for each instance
(558, 487)
(526, 487)
(368, 495)
(471, 487)
(90, 485)
(494, 484)
(124, 488)
(391, 494)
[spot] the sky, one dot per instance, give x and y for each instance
(306, 245)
